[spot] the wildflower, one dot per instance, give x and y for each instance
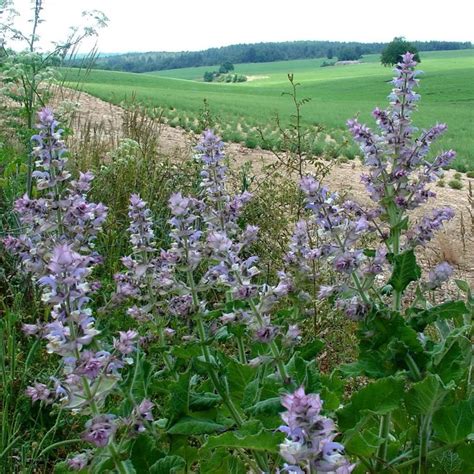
(99, 430)
(292, 336)
(439, 275)
(79, 461)
(126, 344)
(39, 392)
(308, 434)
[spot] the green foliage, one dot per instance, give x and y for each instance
(349, 53)
(392, 53)
(455, 184)
(251, 53)
(226, 67)
(405, 271)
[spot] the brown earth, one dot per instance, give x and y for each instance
(449, 245)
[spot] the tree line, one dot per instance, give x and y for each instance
(255, 53)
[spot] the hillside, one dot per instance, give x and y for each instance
(337, 93)
(255, 53)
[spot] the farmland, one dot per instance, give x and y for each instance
(337, 93)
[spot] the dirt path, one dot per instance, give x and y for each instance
(344, 178)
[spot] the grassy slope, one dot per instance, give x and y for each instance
(337, 93)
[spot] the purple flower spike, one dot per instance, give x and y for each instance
(309, 435)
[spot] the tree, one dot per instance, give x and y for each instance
(349, 53)
(226, 67)
(392, 54)
(208, 76)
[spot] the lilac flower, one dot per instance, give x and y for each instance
(126, 344)
(347, 262)
(99, 430)
(308, 434)
(424, 231)
(326, 291)
(31, 329)
(266, 333)
(292, 336)
(332, 459)
(439, 275)
(39, 392)
(181, 306)
(141, 414)
(353, 308)
(79, 461)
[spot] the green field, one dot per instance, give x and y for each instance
(337, 93)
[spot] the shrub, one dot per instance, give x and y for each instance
(392, 54)
(455, 184)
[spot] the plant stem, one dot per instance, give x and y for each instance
(383, 448)
(429, 454)
(424, 442)
(413, 367)
(242, 355)
(273, 347)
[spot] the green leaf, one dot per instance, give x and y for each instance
(405, 270)
(187, 351)
(144, 453)
(447, 310)
(238, 377)
(379, 397)
(425, 397)
(168, 465)
(463, 286)
(270, 406)
(310, 350)
(263, 441)
(364, 439)
(454, 423)
(203, 401)
(179, 400)
(221, 461)
(129, 467)
(451, 358)
(193, 426)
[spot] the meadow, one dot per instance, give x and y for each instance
(337, 94)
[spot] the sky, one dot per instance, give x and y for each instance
(191, 25)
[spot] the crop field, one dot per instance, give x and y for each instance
(337, 93)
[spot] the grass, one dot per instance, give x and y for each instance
(337, 94)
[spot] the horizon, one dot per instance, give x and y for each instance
(164, 28)
(266, 42)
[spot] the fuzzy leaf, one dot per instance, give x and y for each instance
(454, 423)
(221, 461)
(167, 465)
(447, 310)
(405, 271)
(203, 401)
(263, 441)
(379, 397)
(425, 397)
(194, 426)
